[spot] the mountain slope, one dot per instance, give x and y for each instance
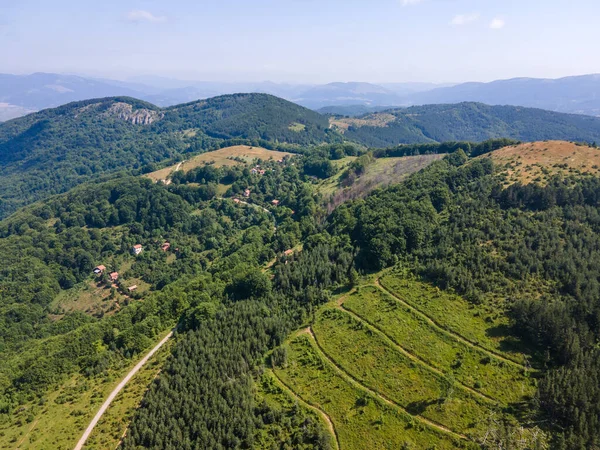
(579, 94)
(466, 122)
(53, 150)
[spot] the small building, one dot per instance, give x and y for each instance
(288, 252)
(114, 276)
(137, 249)
(262, 172)
(166, 246)
(254, 171)
(132, 288)
(99, 270)
(275, 202)
(236, 200)
(247, 193)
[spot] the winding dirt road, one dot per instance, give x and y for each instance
(118, 389)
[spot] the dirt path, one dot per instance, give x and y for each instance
(412, 356)
(118, 389)
(320, 412)
(356, 383)
(28, 433)
(433, 322)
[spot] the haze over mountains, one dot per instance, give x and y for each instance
(22, 94)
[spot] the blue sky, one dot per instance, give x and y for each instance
(303, 40)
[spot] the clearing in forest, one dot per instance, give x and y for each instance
(537, 161)
(222, 157)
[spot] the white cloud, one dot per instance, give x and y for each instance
(410, 2)
(138, 15)
(464, 19)
(497, 24)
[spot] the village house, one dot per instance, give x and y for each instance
(275, 202)
(137, 249)
(99, 270)
(254, 171)
(166, 246)
(236, 200)
(132, 288)
(247, 193)
(288, 252)
(114, 276)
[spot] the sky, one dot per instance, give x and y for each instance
(302, 41)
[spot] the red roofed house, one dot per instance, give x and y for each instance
(288, 252)
(236, 200)
(247, 193)
(166, 246)
(114, 276)
(99, 270)
(137, 249)
(275, 202)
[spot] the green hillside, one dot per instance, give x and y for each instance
(51, 151)
(454, 310)
(466, 122)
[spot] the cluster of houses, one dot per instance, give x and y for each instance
(113, 277)
(247, 193)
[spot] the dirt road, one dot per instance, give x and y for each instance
(116, 391)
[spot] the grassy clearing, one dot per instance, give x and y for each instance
(538, 161)
(59, 419)
(481, 325)
(297, 127)
(219, 158)
(361, 421)
(368, 358)
(470, 366)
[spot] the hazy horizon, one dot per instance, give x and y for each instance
(301, 41)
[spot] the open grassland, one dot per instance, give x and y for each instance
(472, 367)
(218, 158)
(59, 419)
(485, 328)
(537, 161)
(368, 358)
(361, 420)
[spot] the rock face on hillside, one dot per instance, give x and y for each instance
(126, 112)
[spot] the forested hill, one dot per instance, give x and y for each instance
(466, 122)
(53, 150)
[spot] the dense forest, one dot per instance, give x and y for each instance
(470, 122)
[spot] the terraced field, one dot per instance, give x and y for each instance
(472, 367)
(361, 419)
(482, 328)
(385, 372)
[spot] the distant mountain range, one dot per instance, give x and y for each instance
(578, 95)
(22, 94)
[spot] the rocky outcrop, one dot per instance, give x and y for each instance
(125, 111)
